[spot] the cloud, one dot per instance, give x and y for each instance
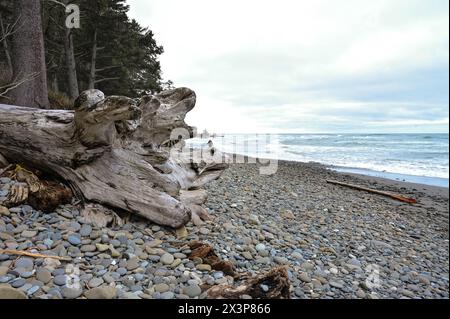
(301, 66)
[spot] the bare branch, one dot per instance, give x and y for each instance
(57, 2)
(106, 79)
(107, 68)
(10, 29)
(4, 90)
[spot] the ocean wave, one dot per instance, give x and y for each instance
(402, 154)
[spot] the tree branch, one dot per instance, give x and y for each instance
(107, 68)
(4, 90)
(57, 2)
(10, 29)
(106, 79)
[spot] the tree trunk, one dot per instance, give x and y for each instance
(55, 84)
(28, 56)
(71, 66)
(117, 153)
(72, 79)
(93, 63)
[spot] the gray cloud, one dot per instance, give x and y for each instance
(301, 66)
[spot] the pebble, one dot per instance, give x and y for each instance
(167, 259)
(15, 210)
(95, 282)
(296, 255)
(18, 283)
(85, 230)
(33, 290)
(60, 280)
(44, 275)
(360, 293)
(192, 290)
(167, 295)
(29, 233)
(11, 293)
(71, 293)
(74, 240)
(101, 293)
(88, 248)
(260, 247)
(305, 277)
(203, 267)
(281, 260)
(133, 263)
(161, 287)
(3, 270)
(48, 242)
(307, 266)
(102, 247)
(25, 263)
(154, 243)
(254, 220)
(247, 255)
(336, 284)
(122, 271)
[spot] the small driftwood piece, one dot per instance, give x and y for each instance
(3, 170)
(30, 254)
(41, 194)
(374, 191)
(207, 254)
(3, 162)
(271, 285)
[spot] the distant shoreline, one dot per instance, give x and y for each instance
(398, 180)
(413, 179)
(415, 158)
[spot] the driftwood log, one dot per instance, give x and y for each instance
(118, 152)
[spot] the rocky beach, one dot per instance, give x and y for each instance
(335, 242)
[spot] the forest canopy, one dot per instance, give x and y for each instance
(106, 51)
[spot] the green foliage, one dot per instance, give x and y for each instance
(127, 54)
(59, 101)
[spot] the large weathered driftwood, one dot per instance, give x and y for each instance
(116, 151)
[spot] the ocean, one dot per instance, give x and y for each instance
(419, 158)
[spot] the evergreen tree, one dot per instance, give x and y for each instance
(109, 52)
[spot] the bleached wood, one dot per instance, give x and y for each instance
(109, 151)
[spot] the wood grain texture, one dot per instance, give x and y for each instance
(111, 151)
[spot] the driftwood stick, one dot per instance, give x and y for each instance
(3, 170)
(374, 191)
(34, 255)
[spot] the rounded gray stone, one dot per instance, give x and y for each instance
(167, 259)
(95, 282)
(60, 280)
(192, 290)
(74, 240)
(71, 293)
(25, 263)
(18, 283)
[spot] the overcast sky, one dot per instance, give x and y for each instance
(307, 66)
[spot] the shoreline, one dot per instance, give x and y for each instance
(402, 169)
(405, 178)
(358, 173)
(329, 237)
